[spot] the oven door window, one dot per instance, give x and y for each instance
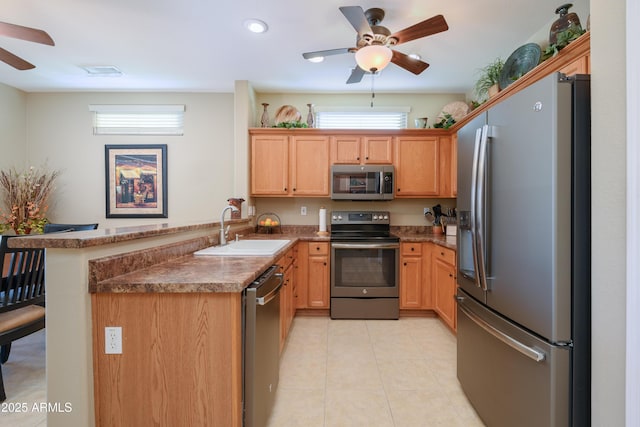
(365, 268)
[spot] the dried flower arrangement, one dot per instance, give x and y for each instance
(25, 197)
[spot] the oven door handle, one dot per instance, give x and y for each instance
(365, 245)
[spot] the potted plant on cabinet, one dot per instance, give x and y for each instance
(488, 83)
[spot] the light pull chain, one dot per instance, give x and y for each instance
(373, 93)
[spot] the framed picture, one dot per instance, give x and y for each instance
(136, 181)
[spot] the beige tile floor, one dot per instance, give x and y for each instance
(25, 383)
(374, 373)
(333, 373)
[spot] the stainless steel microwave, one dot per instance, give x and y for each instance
(362, 182)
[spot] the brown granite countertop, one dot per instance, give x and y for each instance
(191, 273)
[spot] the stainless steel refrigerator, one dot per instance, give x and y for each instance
(524, 257)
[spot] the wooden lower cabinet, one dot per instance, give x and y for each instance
(312, 275)
(415, 276)
(318, 277)
(444, 282)
(181, 361)
(287, 294)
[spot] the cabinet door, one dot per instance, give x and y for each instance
(378, 150)
(447, 169)
(579, 66)
(302, 274)
(345, 149)
(411, 282)
(269, 165)
(318, 290)
(310, 166)
(417, 166)
(445, 282)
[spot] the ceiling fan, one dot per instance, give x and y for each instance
(372, 36)
(22, 33)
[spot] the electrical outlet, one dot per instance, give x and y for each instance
(303, 210)
(426, 211)
(113, 340)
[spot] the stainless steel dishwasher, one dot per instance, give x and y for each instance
(261, 347)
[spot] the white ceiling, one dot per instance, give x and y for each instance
(201, 45)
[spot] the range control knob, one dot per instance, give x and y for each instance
(386, 217)
(364, 291)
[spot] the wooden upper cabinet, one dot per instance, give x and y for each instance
(351, 149)
(269, 165)
(378, 149)
(447, 166)
(309, 165)
(579, 66)
(417, 164)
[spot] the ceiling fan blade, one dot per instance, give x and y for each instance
(410, 64)
(433, 25)
(356, 75)
(329, 52)
(15, 61)
(25, 33)
(355, 16)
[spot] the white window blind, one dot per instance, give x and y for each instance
(374, 118)
(138, 119)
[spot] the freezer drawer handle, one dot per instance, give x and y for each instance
(531, 353)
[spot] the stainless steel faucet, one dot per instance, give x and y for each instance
(224, 234)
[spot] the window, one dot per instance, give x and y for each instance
(138, 119)
(370, 118)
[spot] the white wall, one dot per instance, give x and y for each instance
(13, 127)
(200, 164)
(608, 89)
(422, 105)
(403, 211)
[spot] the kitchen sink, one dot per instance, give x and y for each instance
(246, 248)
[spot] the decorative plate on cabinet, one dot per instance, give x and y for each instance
(520, 62)
(457, 109)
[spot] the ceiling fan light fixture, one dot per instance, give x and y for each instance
(316, 59)
(373, 58)
(256, 26)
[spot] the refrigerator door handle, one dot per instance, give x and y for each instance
(480, 208)
(473, 208)
(531, 353)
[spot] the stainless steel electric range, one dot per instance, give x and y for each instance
(364, 266)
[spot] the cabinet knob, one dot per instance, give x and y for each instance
(412, 249)
(324, 263)
(366, 158)
(450, 275)
(358, 158)
(294, 188)
(405, 264)
(285, 188)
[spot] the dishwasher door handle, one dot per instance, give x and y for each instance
(271, 295)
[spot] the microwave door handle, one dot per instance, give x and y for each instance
(381, 174)
(473, 207)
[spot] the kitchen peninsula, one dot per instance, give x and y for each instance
(148, 277)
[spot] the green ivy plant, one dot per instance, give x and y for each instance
(446, 122)
(563, 38)
(290, 125)
(489, 76)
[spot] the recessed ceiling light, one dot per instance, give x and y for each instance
(103, 70)
(316, 59)
(256, 26)
(415, 56)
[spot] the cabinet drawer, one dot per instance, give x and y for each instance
(445, 254)
(411, 249)
(318, 248)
